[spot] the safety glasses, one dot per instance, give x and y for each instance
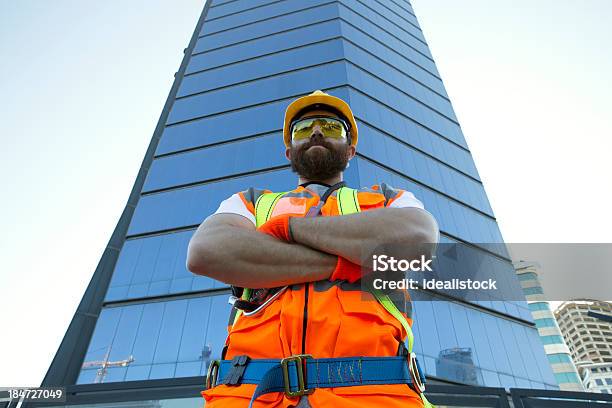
(334, 128)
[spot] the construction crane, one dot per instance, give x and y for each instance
(104, 364)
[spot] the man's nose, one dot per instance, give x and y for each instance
(316, 131)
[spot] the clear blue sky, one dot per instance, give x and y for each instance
(83, 84)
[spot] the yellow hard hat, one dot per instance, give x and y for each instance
(323, 99)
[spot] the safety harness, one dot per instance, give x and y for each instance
(301, 374)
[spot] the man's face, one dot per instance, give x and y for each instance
(319, 158)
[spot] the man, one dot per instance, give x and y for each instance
(300, 253)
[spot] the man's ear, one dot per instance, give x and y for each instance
(351, 152)
(288, 153)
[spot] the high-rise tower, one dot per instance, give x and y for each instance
(556, 349)
(586, 325)
(220, 132)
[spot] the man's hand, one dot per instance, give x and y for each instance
(278, 227)
(346, 270)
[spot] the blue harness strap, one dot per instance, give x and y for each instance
(300, 375)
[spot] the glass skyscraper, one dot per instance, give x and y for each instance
(144, 316)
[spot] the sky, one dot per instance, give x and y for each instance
(84, 83)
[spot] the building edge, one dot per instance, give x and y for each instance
(66, 364)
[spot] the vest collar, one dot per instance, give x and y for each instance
(316, 187)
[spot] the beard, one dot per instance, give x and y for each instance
(319, 164)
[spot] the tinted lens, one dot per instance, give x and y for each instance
(302, 129)
(330, 127)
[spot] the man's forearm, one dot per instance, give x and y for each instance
(355, 236)
(248, 258)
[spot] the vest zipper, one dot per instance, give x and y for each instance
(315, 213)
(305, 321)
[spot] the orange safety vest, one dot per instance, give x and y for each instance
(325, 319)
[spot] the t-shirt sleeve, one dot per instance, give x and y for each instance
(405, 199)
(234, 205)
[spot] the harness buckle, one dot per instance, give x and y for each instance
(300, 364)
(415, 373)
(212, 374)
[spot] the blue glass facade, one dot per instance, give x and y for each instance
(222, 134)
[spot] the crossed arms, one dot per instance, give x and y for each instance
(227, 247)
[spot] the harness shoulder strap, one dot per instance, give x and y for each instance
(388, 304)
(264, 205)
(347, 201)
(348, 204)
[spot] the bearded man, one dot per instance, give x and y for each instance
(304, 331)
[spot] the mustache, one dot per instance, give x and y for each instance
(318, 141)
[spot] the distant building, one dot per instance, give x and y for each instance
(597, 377)
(557, 351)
(587, 328)
(458, 363)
